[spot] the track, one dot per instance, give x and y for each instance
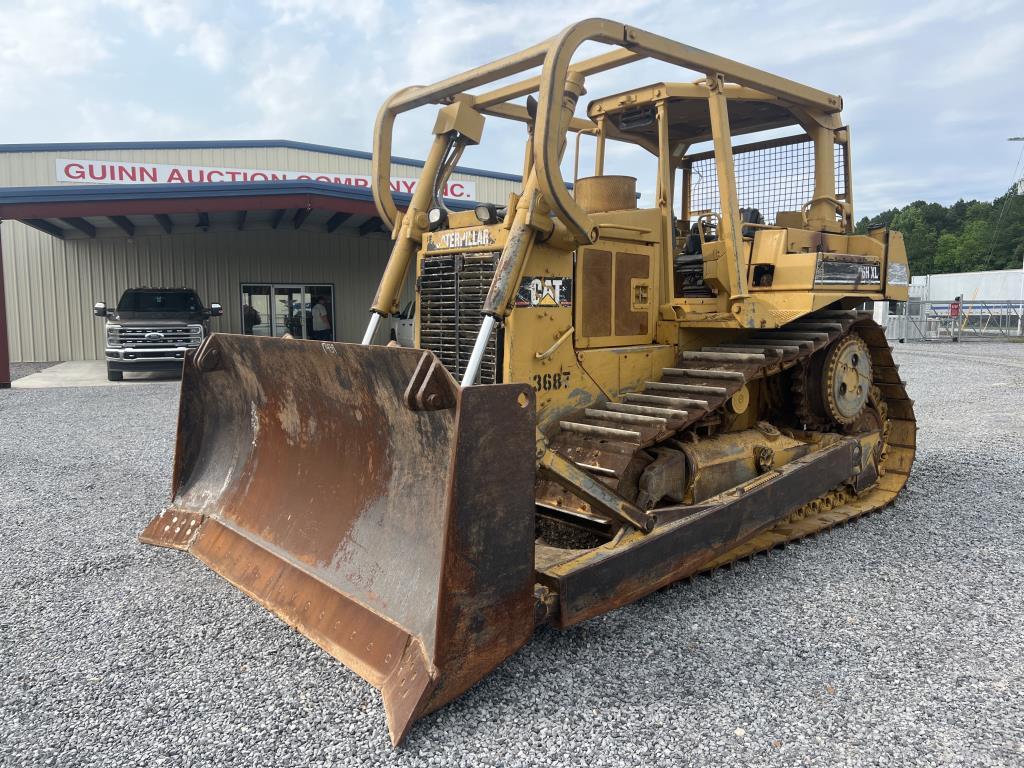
(604, 440)
(838, 507)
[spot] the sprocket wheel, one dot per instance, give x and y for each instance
(846, 379)
(833, 387)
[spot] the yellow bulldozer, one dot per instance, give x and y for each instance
(602, 399)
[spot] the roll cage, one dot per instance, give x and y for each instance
(779, 101)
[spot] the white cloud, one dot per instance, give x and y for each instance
(283, 91)
(450, 36)
(127, 120)
(48, 41)
(365, 15)
(208, 44)
(453, 35)
(815, 32)
(997, 54)
(159, 16)
(185, 20)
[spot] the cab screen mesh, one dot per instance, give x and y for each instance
(770, 179)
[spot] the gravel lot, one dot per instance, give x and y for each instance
(895, 641)
(19, 370)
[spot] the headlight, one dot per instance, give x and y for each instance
(487, 213)
(438, 218)
(113, 335)
(897, 274)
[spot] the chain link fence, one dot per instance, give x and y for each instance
(921, 319)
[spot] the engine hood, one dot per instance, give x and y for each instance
(161, 318)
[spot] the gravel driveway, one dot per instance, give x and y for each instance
(895, 641)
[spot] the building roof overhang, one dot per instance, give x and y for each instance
(323, 149)
(125, 210)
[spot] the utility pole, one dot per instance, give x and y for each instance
(1020, 306)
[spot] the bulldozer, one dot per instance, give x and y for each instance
(602, 398)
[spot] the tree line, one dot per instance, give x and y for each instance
(967, 236)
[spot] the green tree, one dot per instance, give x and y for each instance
(920, 238)
(969, 235)
(947, 254)
(974, 242)
(1008, 231)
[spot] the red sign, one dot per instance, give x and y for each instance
(115, 172)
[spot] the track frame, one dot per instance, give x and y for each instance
(836, 483)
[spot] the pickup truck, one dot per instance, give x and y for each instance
(152, 328)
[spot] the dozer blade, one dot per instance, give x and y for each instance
(362, 496)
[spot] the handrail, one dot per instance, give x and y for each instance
(554, 347)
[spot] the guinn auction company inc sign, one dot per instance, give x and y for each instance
(110, 172)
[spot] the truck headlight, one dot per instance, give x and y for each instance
(114, 336)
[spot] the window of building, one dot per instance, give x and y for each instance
(274, 309)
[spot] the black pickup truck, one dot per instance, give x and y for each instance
(152, 328)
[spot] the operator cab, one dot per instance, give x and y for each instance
(774, 176)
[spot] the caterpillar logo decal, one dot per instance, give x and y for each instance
(460, 238)
(545, 292)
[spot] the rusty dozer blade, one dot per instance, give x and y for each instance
(362, 496)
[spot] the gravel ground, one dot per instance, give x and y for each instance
(19, 370)
(895, 641)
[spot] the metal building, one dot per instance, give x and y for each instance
(964, 306)
(992, 285)
(243, 222)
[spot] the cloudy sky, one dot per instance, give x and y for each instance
(932, 89)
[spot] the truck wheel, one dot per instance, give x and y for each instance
(115, 375)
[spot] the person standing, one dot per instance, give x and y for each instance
(250, 318)
(321, 320)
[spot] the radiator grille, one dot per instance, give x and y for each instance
(452, 291)
(156, 336)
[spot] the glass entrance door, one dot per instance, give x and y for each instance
(290, 307)
(304, 311)
(321, 316)
(256, 316)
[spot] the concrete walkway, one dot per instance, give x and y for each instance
(84, 373)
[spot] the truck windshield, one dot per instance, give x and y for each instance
(159, 301)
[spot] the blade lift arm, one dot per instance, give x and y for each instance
(531, 219)
(457, 126)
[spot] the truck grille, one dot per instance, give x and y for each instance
(156, 337)
(452, 290)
